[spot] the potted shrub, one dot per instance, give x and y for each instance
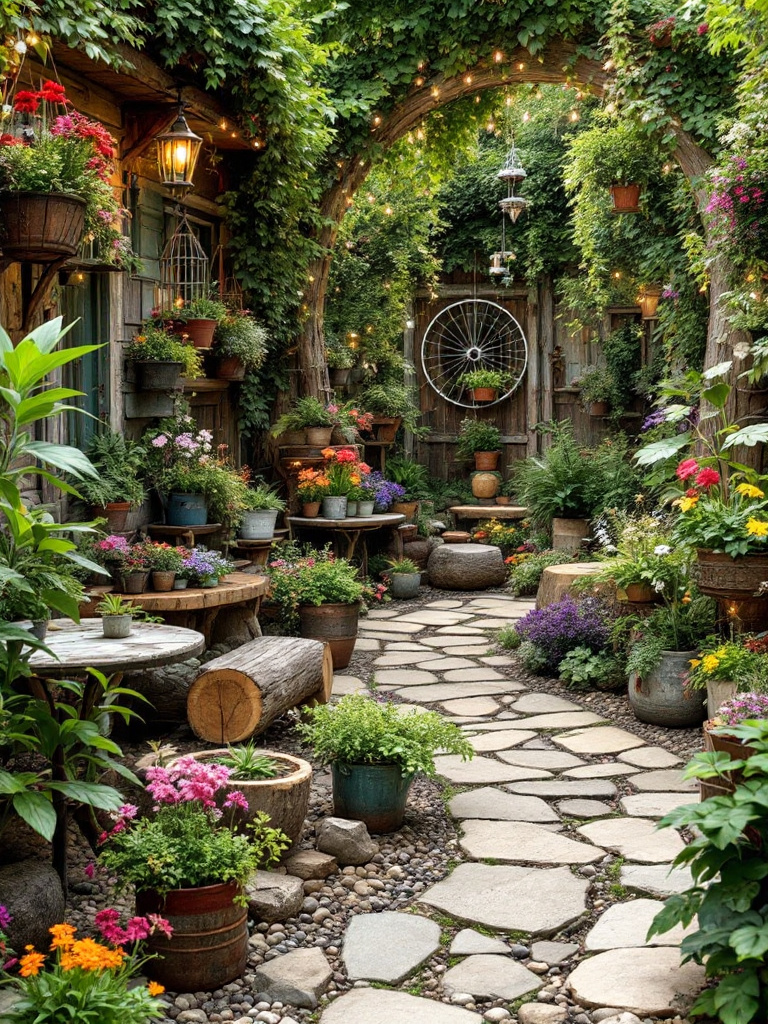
(391, 403)
(55, 173)
(311, 416)
(404, 579)
(340, 361)
(375, 750)
(312, 488)
(720, 739)
(643, 562)
(726, 667)
(484, 385)
(164, 562)
(613, 155)
(196, 320)
(161, 358)
(116, 616)
(272, 782)
(186, 860)
(479, 440)
(117, 487)
(206, 568)
(262, 507)
(414, 478)
(240, 345)
(597, 388)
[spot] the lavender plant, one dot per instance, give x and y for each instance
(565, 625)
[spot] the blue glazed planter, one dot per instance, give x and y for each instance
(187, 510)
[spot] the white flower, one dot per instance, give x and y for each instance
(611, 547)
(658, 586)
(662, 549)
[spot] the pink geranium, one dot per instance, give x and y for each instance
(686, 469)
(707, 478)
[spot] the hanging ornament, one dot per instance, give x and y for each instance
(512, 173)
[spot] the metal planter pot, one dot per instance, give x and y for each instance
(259, 524)
(372, 793)
(660, 697)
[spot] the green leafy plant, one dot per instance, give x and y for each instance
(525, 577)
(163, 557)
(477, 436)
(494, 379)
(391, 398)
(263, 496)
(309, 412)
(508, 638)
(246, 762)
(114, 604)
(402, 566)
(239, 336)
(612, 153)
(119, 464)
(200, 309)
(360, 730)
(597, 385)
(681, 624)
(156, 344)
(584, 669)
(410, 475)
(726, 858)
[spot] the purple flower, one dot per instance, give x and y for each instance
(565, 625)
(655, 419)
(5, 917)
(384, 492)
(744, 707)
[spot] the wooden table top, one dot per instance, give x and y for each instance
(373, 522)
(163, 530)
(489, 511)
(237, 588)
(77, 648)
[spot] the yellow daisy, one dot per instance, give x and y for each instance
(750, 491)
(709, 663)
(757, 528)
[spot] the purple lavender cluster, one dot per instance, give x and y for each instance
(565, 625)
(384, 492)
(206, 565)
(744, 707)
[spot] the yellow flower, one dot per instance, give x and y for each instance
(694, 662)
(750, 491)
(757, 528)
(31, 962)
(686, 504)
(63, 936)
(709, 663)
(155, 988)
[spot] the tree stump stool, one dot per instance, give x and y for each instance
(557, 580)
(466, 567)
(456, 537)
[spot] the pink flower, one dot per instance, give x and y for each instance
(707, 478)
(159, 924)
(138, 928)
(236, 799)
(89, 870)
(686, 469)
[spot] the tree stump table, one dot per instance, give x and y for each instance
(557, 580)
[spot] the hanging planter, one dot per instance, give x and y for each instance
(598, 409)
(41, 227)
(156, 375)
(625, 198)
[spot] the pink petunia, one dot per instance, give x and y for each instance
(687, 468)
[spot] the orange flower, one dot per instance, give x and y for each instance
(364, 468)
(155, 988)
(354, 479)
(91, 956)
(322, 480)
(31, 962)
(328, 453)
(63, 936)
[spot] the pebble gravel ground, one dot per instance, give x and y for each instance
(427, 849)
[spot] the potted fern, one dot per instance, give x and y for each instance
(484, 385)
(240, 345)
(404, 579)
(117, 488)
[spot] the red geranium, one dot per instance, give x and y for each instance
(52, 92)
(707, 478)
(26, 102)
(686, 469)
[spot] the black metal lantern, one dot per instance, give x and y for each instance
(177, 153)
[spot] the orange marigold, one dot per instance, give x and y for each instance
(91, 956)
(31, 962)
(328, 453)
(63, 936)
(155, 988)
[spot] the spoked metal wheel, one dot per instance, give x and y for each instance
(473, 334)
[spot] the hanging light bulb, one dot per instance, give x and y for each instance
(177, 153)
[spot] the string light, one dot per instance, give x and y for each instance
(257, 143)
(574, 115)
(32, 39)
(616, 275)
(223, 124)
(311, 278)
(377, 120)
(508, 101)
(371, 197)
(435, 91)
(388, 210)
(490, 127)
(498, 56)
(468, 79)
(418, 81)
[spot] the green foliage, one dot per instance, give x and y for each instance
(477, 436)
(675, 627)
(238, 335)
(485, 379)
(597, 385)
(309, 412)
(247, 762)
(726, 903)
(403, 566)
(611, 153)
(390, 398)
(533, 658)
(263, 496)
(360, 730)
(119, 462)
(508, 638)
(584, 669)
(525, 577)
(156, 344)
(411, 475)
(114, 604)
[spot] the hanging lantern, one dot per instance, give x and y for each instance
(500, 264)
(513, 173)
(177, 153)
(648, 301)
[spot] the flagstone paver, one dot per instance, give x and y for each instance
(656, 879)
(374, 634)
(539, 901)
(553, 953)
(655, 805)
(444, 604)
(500, 739)
(469, 650)
(668, 780)
(647, 982)
(374, 1006)
(392, 626)
(449, 691)
(446, 664)
(497, 805)
(388, 946)
(406, 645)
(471, 706)
(584, 808)
(635, 838)
(481, 771)
(495, 659)
(650, 757)
(468, 941)
(523, 842)
(364, 644)
(608, 739)
(435, 618)
(491, 976)
(396, 659)
(445, 640)
(348, 684)
(461, 630)
(600, 771)
(476, 674)
(627, 924)
(390, 678)
(495, 623)
(561, 720)
(599, 788)
(553, 760)
(543, 704)
(381, 613)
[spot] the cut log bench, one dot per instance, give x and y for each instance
(241, 693)
(466, 567)
(557, 580)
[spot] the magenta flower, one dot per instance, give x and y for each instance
(236, 799)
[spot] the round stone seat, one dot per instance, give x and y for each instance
(466, 567)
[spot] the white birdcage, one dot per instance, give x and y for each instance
(184, 269)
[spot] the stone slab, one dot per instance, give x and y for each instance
(558, 720)
(495, 659)
(388, 946)
(364, 644)
(444, 605)
(396, 659)
(607, 739)
(584, 808)
(553, 953)
(369, 635)
(446, 640)
(460, 630)
(389, 679)
(447, 664)
(343, 685)
(472, 649)
(467, 942)
(488, 976)
(272, 896)
(647, 982)
(667, 780)
(544, 704)
(381, 613)
(485, 675)
(598, 788)
(497, 622)
(650, 757)
(634, 838)
(482, 771)
(552, 760)
(381, 1006)
(600, 771)
(298, 978)
(656, 879)
(523, 843)
(496, 805)
(407, 645)
(432, 617)
(471, 706)
(539, 901)
(391, 626)
(435, 692)
(500, 739)
(655, 805)
(626, 924)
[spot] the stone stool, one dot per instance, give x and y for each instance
(456, 537)
(466, 567)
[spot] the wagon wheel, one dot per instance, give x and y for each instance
(473, 334)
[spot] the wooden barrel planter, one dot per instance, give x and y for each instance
(723, 785)
(209, 944)
(334, 624)
(40, 226)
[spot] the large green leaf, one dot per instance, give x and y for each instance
(37, 810)
(62, 603)
(47, 404)
(755, 433)
(658, 451)
(48, 335)
(63, 456)
(719, 370)
(717, 395)
(106, 798)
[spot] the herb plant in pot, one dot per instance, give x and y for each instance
(481, 441)
(186, 861)
(196, 320)
(240, 345)
(391, 403)
(164, 563)
(375, 751)
(117, 488)
(311, 416)
(404, 579)
(260, 517)
(161, 358)
(484, 385)
(597, 388)
(116, 616)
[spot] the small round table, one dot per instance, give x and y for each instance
(351, 529)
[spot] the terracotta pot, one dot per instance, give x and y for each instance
(502, 499)
(660, 698)
(40, 227)
(116, 514)
(486, 460)
(293, 437)
(163, 581)
(132, 582)
(485, 485)
(200, 331)
(209, 944)
(639, 593)
(334, 624)
(599, 408)
(230, 368)
(385, 427)
(723, 785)
(156, 375)
(310, 509)
(567, 534)
(483, 394)
(405, 508)
(320, 437)
(625, 198)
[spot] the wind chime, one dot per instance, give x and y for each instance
(512, 173)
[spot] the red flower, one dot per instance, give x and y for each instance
(10, 140)
(707, 478)
(52, 92)
(26, 102)
(687, 468)
(692, 493)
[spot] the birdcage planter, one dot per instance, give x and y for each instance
(184, 271)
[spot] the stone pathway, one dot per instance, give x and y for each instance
(555, 799)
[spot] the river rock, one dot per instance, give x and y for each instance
(32, 893)
(347, 841)
(273, 897)
(298, 978)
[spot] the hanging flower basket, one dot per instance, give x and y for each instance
(626, 198)
(484, 394)
(41, 227)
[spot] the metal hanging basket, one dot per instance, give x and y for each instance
(184, 270)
